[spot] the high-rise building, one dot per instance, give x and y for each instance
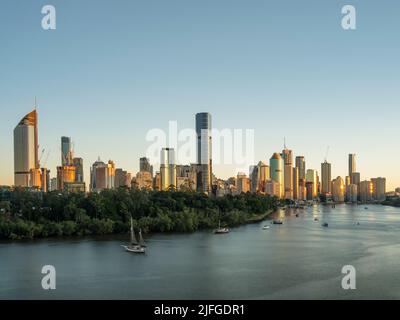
(243, 183)
(65, 175)
(66, 151)
(204, 148)
(145, 166)
(78, 164)
(326, 178)
(98, 176)
(366, 191)
(110, 174)
(273, 188)
(168, 169)
(253, 175)
(302, 189)
(338, 189)
(301, 164)
(352, 166)
(26, 161)
(295, 183)
(287, 156)
(352, 193)
(122, 178)
(355, 178)
(276, 165)
(379, 189)
(311, 178)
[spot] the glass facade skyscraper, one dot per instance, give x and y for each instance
(204, 148)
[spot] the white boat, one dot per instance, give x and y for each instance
(265, 227)
(221, 230)
(135, 246)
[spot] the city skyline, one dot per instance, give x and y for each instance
(248, 75)
(285, 179)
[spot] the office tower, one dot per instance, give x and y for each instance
(310, 190)
(272, 188)
(338, 189)
(311, 178)
(347, 181)
(168, 169)
(301, 164)
(253, 175)
(259, 175)
(98, 174)
(65, 175)
(45, 179)
(351, 193)
(243, 183)
(295, 183)
(287, 156)
(157, 181)
(276, 172)
(122, 178)
(66, 151)
(352, 166)
(379, 189)
(325, 178)
(78, 164)
(355, 178)
(302, 190)
(204, 148)
(145, 166)
(26, 161)
(110, 174)
(365, 191)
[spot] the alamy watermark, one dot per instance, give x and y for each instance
(227, 146)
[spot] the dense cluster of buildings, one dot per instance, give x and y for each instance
(284, 176)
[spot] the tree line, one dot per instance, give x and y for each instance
(31, 215)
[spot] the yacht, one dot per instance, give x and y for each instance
(221, 230)
(134, 246)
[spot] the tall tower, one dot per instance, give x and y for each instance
(301, 164)
(287, 156)
(204, 148)
(352, 165)
(66, 151)
(26, 147)
(276, 167)
(168, 168)
(326, 178)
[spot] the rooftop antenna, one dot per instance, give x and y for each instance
(34, 103)
(284, 142)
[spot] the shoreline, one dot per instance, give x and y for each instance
(255, 218)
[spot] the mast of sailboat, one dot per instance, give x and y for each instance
(133, 238)
(141, 240)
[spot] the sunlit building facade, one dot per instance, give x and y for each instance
(276, 165)
(26, 161)
(168, 169)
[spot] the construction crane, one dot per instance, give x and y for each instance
(41, 155)
(47, 158)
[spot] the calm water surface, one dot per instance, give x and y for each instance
(296, 260)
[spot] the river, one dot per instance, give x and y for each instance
(297, 260)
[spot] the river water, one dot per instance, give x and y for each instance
(297, 260)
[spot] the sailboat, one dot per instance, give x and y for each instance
(221, 230)
(135, 246)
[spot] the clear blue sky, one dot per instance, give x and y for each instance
(112, 70)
